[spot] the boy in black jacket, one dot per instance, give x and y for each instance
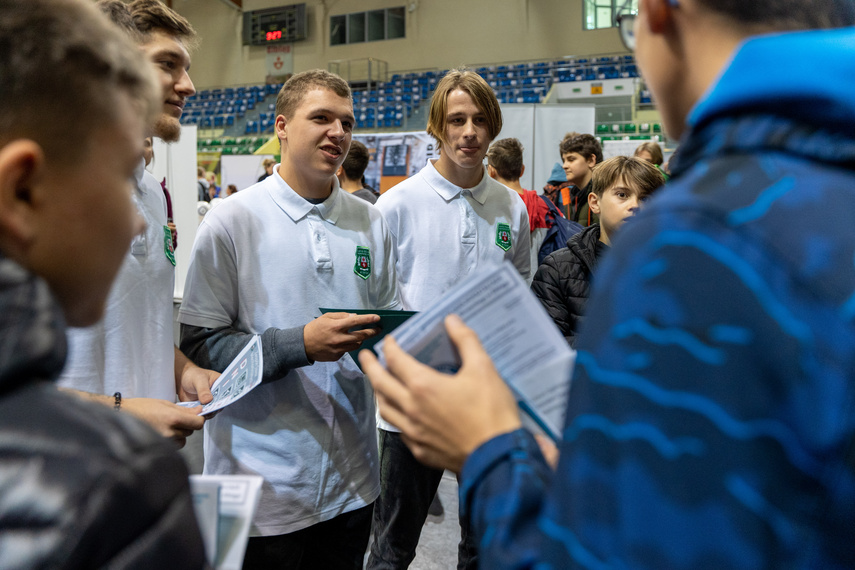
(619, 186)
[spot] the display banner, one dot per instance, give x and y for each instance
(395, 157)
(280, 60)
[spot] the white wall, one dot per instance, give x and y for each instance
(540, 128)
(177, 163)
(242, 170)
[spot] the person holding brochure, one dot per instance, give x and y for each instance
(447, 221)
(81, 485)
(265, 261)
(710, 419)
(130, 354)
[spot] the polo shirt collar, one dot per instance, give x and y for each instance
(449, 191)
(298, 207)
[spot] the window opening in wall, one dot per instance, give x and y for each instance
(338, 30)
(597, 14)
(371, 26)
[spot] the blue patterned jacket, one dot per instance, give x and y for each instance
(711, 421)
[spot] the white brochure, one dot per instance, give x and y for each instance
(225, 505)
(528, 350)
(242, 375)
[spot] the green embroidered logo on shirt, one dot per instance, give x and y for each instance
(167, 245)
(363, 262)
(503, 236)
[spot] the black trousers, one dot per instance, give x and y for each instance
(336, 544)
(406, 490)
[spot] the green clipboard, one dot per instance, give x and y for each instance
(389, 321)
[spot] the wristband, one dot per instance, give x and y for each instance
(117, 405)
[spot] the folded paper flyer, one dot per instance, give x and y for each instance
(241, 376)
(528, 350)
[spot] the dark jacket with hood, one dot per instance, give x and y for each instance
(563, 280)
(711, 416)
(81, 485)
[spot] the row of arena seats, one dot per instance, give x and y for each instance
(224, 108)
(389, 104)
(644, 97)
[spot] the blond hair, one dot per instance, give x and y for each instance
(654, 149)
(475, 86)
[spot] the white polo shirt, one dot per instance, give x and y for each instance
(131, 350)
(443, 233)
(265, 258)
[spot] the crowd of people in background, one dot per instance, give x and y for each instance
(711, 416)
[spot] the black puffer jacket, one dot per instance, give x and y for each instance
(563, 280)
(81, 486)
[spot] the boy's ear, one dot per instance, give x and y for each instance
(592, 161)
(21, 168)
(522, 170)
(658, 14)
(594, 203)
(340, 171)
(491, 172)
(281, 127)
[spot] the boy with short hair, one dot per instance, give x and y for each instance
(619, 187)
(448, 221)
(579, 155)
(80, 485)
(351, 170)
(130, 353)
(264, 262)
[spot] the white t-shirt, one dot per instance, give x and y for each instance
(265, 258)
(443, 233)
(131, 350)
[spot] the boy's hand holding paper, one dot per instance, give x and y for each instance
(507, 336)
(452, 415)
(331, 335)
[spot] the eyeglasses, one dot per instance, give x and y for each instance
(625, 22)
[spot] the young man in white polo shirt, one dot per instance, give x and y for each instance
(448, 221)
(129, 358)
(263, 263)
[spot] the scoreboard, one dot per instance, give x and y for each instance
(275, 25)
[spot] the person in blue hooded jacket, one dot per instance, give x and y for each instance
(711, 419)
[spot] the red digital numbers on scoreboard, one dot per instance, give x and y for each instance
(271, 36)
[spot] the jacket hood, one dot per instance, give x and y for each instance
(557, 174)
(803, 75)
(32, 329)
(789, 92)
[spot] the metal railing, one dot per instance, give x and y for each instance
(366, 69)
